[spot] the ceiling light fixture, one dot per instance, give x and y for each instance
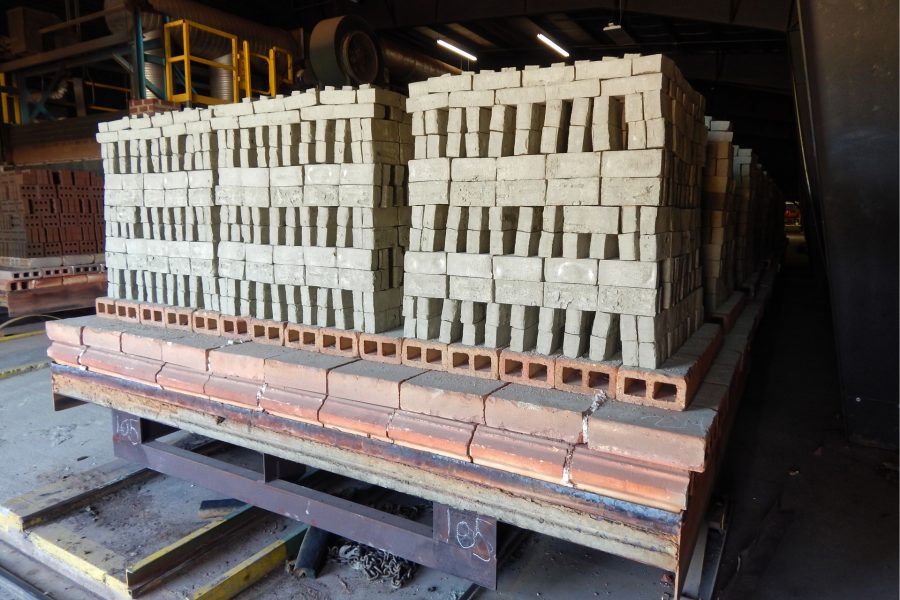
(457, 50)
(553, 44)
(618, 35)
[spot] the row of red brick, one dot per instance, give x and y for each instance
(150, 106)
(14, 285)
(470, 419)
(671, 389)
(42, 249)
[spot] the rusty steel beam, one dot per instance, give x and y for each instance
(458, 543)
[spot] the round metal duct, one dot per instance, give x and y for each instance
(221, 80)
(344, 51)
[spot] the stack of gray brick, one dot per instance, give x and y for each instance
(747, 176)
(557, 209)
(719, 218)
(161, 222)
(304, 206)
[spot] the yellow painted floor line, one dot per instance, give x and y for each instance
(18, 336)
(173, 558)
(247, 572)
(24, 334)
(23, 369)
(70, 548)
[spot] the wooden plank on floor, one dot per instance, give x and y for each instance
(64, 495)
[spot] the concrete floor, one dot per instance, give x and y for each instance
(812, 517)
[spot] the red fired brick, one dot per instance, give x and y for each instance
(432, 434)
(300, 405)
(630, 480)
(355, 417)
(380, 348)
(177, 317)
(206, 321)
(65, 354)
(338, 342)
(299, 369)
(533, 369)
(243, 361)
(522, 454)
(103, 339)
(184, 380)
(302, 337)
(265, 331)
(65, 332)
(105, 307)
(233, 391)
(475, 361)
(143, 370)
(446, 395)
(583, 376)
(191, 351)
(153, 314)
(126, 310)
(370, 382)
(424, 354)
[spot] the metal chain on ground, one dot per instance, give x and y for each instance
(379, 565)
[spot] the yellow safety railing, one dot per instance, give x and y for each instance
(5, 99)
(240, 66)
(94, 85)
(187, 59)
(274, 79)
(271, 61)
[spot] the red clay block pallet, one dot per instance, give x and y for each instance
(51, 289)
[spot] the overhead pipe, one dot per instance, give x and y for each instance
(407, 65)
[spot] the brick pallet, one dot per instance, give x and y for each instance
(51, 237)
(548, 248)
(50, 213)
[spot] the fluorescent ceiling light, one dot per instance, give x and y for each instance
(457, 50)
(552, 44)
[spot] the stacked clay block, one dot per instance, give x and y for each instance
(719, 220)
(161, 219)
(295, 207)
(557, 209)
(50, 213)
(747, 177)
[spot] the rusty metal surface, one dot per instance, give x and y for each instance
(647, 535)
(461, 544)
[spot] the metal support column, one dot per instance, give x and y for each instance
(139, 76)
